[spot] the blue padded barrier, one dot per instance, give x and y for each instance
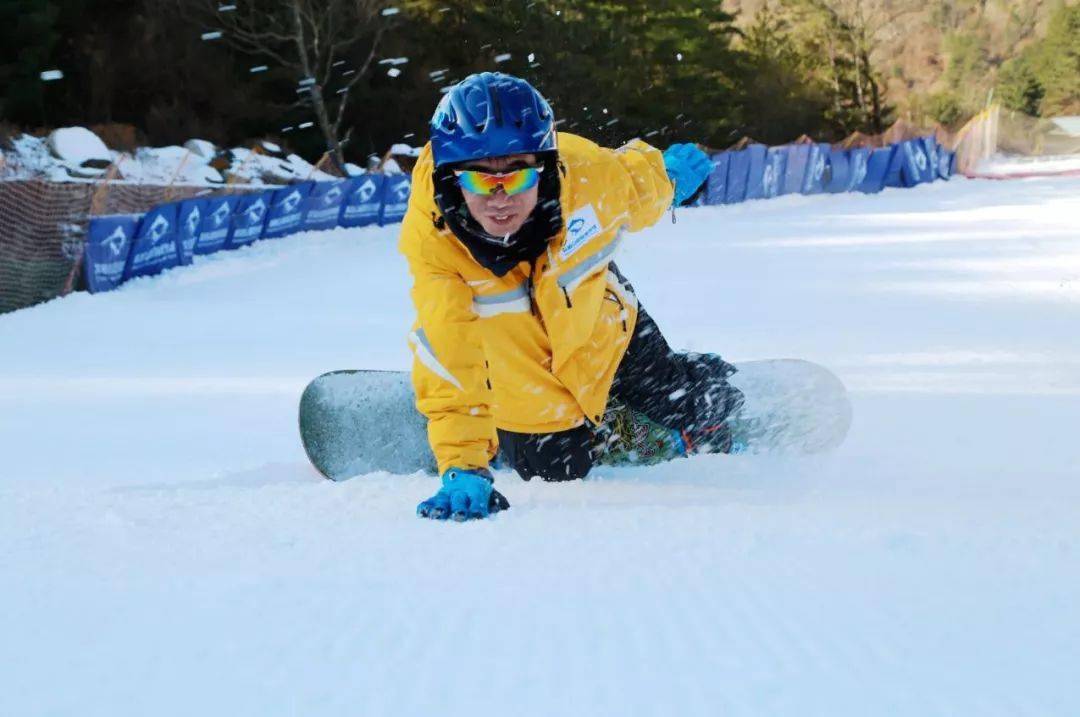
(877, 167)
(757, 154)
(123, 246)
(798, 156)
(772, 178)
(894, 176)
(216, 223)
(818, 170)
(737, 174)
(108, 243)
(917, 167)
(189, 221)
(946, 163)
(395, 199)
(286, 213)
(840, 171)
(249, 219)
(716, 184)
(909, 165)
(932, 148)
(858, 157)
(323, 205)
(154, 248)
(363, 201)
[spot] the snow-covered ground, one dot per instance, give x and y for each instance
(166, 550)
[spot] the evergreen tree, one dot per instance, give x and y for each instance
(1045, 79)
(1055, 63)
(28, 36)
(780, 103)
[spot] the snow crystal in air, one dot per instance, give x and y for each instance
(51, 75)
(502, 58)
(305, 125)
(259, 68)
(390, 11)
(215, 35)
(393, 72)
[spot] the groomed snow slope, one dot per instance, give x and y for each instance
(166, 550)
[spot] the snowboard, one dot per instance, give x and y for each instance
(357, 422)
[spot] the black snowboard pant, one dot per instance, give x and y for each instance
(684, 391)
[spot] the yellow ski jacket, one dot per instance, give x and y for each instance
(530, 352)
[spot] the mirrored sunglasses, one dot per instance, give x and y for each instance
(485, 183)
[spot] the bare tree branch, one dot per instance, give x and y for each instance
(306, 38)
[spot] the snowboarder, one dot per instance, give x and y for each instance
(525, 327)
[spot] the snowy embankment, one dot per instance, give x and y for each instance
(77, 154)
(1015, 167)
(166, 550)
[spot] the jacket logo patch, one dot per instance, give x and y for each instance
(582, 226)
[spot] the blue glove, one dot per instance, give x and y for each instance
(687, 168)
(465, 494)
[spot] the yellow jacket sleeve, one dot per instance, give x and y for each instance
(649, 191)
(449, 374)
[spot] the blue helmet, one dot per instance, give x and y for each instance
(490, 114)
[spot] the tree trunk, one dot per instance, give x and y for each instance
(333, 146)
(835, 75)
(860, 99)
(875, 97)
(318, 102)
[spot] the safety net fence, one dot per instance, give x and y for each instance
(43, 230)
(1002, 143)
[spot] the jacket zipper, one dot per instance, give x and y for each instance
(622, 307)
(530, 286)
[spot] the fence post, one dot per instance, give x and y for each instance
(169, 191)
(98, 202)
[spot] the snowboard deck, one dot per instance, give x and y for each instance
(362, 421)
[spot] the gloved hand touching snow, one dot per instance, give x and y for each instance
(687, 168)
(465, 495)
